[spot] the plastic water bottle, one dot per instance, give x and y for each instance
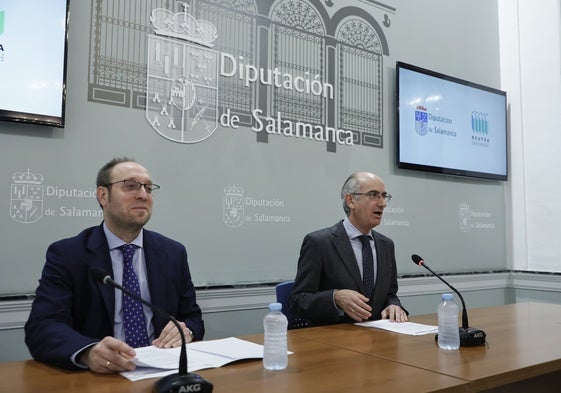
(275, 356)
(448, 330)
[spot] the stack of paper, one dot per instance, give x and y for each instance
(155, 362)
(411, 328)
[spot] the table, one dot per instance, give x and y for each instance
(524, 343)
(523, 354)
(313, 368)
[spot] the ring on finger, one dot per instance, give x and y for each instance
(108, 364)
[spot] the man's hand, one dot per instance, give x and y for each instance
(353, 303)
(110, 355)
(170, 337)
(394, 313)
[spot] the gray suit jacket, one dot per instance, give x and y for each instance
(327, 262)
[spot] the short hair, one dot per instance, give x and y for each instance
(104, 174)
(350, 186)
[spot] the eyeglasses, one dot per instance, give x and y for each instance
(134, 186)
(373, 195)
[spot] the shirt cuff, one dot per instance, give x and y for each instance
(76, 355)
(339, 311)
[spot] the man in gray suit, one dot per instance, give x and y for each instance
(331, 284)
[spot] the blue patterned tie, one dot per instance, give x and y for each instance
(367, 266)
(133, 315)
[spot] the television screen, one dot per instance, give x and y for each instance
(450, 126)
(33, 61)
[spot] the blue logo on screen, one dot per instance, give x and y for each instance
(421, 120)
(480, 127)
(479, 123)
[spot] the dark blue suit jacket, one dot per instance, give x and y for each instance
(71, 311)
(327, 262)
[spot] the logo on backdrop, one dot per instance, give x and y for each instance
(182, 85)
(233, 206)
(470, 220)
(26, 200)
(182, 79)
(239, 209)
(28, 194)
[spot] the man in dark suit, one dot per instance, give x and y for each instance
(76, 322)
(330, 284)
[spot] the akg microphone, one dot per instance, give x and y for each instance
(183, 381)
(468, 336)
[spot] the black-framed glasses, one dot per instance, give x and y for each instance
(133, 186)
(373, 195)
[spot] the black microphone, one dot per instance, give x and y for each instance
(469, 336)
(182, 381)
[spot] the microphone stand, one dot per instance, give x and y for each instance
(182, 381)
(465, 324)
(469, 336)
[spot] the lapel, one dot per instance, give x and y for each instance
(99, 256)
(156, 270)
(345, 252)
(381, 257)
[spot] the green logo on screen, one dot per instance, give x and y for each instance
(1, 22)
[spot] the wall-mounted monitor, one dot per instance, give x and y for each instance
(450, 126)
(33, 46)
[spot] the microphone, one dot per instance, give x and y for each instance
(469, 336)
(182, 381)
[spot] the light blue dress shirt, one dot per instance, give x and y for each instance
(353, 234)
(139, 266)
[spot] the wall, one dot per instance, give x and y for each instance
(532, 76)
(258, 193)
(284, 186)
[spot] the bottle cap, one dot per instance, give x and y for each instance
(447, 296)
(275, 306)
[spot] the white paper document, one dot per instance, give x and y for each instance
(411, 328)
(154, 362)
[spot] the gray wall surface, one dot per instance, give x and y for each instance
(240, 200)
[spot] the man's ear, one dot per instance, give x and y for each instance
(350, 201)
(102, 194)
